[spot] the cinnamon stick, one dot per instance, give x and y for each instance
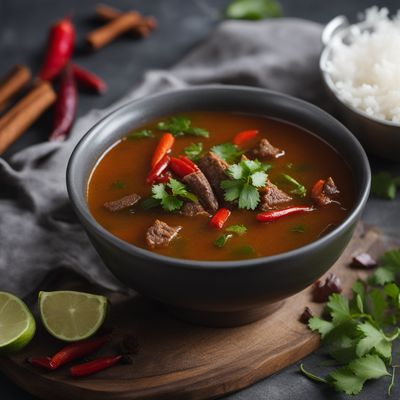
(146, 25)
(13, 82)
(15, 122)
(107, 33)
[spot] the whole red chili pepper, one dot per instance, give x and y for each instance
(43, 362)
(219, 218)
(158, 169)
(244, 136)
(78, 350)
(163, 147)
(65, 107)
(89, 79)
(94, 366)
(317, 188)
(180, 168)
(189, 162)
(59, 48)
(273, 215)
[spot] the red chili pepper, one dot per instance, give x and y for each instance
(163, 178)
(244, 136)
(65, 107)
(158, 169)
(317, 188)
(164, 147)
(94, 366)
(78, 350)
(89, 79)
(220, 217)
(189, 162)
(59, 48)
(273, 215)
(180, 168)
(43, 362)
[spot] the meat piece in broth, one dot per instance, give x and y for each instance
(199, 185)
(161, 234)
(214, 168)
(264, 149)
(122, 203)
(271, 197)
(191, 209)
(323, 197)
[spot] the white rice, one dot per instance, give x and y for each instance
(366, 72)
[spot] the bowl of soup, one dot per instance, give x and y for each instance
(219, 201)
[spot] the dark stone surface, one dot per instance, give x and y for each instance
(182, 24)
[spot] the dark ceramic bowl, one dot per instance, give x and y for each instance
(217, 293)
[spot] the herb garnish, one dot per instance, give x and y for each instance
(144, 133)
(384, 185)
(170, 195)
(359, 332)
(193, 152)
(118, 184)
(227, 151)
(299, 189)
(181, 126)
(247, 176)
(254, 9)
(222, 240)
(238, 229)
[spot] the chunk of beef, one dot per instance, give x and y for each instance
(264, 149)
(161, 234)
(324, 197)
(191, 209)
(199, 185)
(271, 196)
(122, 203)
(214, 168)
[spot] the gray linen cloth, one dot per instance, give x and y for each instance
(38, 230)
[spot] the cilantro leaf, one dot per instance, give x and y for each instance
(320, 325)
(249, 197)
(227, 151)
(299, 189)
(254, 9)
(238, 229)
(344, 380)
(181, 126)
(382, 275)
(339, 309)
(378, 305)
(193, 152)
(222, 240)
(144, 133)
(371, 338)
(118, 184)
(179, 189)
(384, 185)
(370, 366)
(232, 189)
(149, 203)
(258, 179)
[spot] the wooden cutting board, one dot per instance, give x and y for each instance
(178, 360)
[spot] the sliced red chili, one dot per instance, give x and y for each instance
(219, 218)
(189, 162)
(244, 136)
(88, 79)
(164, 147)
(317, 188)
(43, 362)
(273, 215)
(180, 168)
(59, 48)
(78, 350)
(158, 169)
(91, 367)
(163, 178)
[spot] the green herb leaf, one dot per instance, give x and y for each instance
(298, 229)
(299, 189)
(390, 266)
(320, 325)
(371, 339)
(179, 189)
(249, 197)
(222, 240)
(369, 367)
(384, 185)
(144, 133)
(338, 307)
(193, 152)
(149, 203)
(238, 229)
(118, 185)
(344, 380)
(181, 126)
(254, 9)
(227, 151)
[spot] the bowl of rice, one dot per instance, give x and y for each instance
(360, 65)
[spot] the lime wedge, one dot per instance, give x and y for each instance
(72, 316)
(17, 325)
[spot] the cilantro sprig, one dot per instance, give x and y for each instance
(193, 151)
(299, 189)
(230, 231)
(170, 195)
(144, 133)
(181, 126)
(246, 178)
(359, 333)
(254, 9)
(227, 151)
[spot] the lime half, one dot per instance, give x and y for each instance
(72, 316)
(17, 325)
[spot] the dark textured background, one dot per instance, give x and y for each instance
(182, 24)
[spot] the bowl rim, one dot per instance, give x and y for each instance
(82, 209)
(326, 52)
